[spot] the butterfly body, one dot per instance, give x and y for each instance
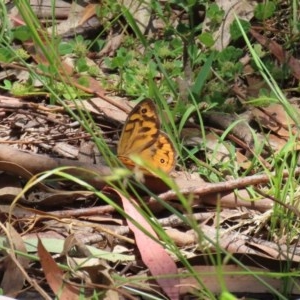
(141, 136)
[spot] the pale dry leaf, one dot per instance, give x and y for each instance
(88, 12)
(64, 149)
(217, 151)
(74, 18)
(180, 238)
(274, 118)
(275, 142)
(278, 254)
(242, 161)
(186, 180)
(44, 10)
(236, 199)
(232, 8)
(113, 43)
(140, 10)
(234, 278)
(98, 105)
(280, 114)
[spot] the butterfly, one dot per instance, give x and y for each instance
(142, 136)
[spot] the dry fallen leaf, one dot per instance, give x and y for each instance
(13, 278)
(153, 254)
(232, 9)
(55, 276)
(235, 278)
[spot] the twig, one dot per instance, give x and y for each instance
(211, 188)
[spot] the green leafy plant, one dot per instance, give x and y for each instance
(235, 31)
(215, 14)
(265, 10)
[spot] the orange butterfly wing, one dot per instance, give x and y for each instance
(141, 136)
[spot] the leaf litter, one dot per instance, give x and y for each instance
(71, 238)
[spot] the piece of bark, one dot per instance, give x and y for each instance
(35, 163)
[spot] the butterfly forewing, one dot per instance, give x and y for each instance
(141, 136)
(141, 129)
